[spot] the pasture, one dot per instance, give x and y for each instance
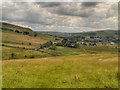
(21, 53)
(78, 71)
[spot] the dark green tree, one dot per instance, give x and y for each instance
(12, 54)
(53, 47)
(29, 43)
(76, 45)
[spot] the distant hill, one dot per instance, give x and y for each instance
(102, 33)
(93, 36)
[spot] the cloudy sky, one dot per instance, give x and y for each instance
(62, 16)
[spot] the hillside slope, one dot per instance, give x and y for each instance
(14, 34)
(20, 42)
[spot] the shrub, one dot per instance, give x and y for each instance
(12, 54)
(41, 46)
(3, 44)
(76, 45)
(25, 32)
(29, 43)
(32, 57)
(53, 47)
(90, 44)
(17, 31)
(23, 47)
(84, 44)
(35, 35)
(25, 56)
(94, 44)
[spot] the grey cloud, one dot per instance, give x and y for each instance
(90, 4)
(60, 15)
(48, 4)
(72, 9)
(25, 12)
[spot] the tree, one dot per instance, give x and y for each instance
(58, 44)
(25, 32)
(22, 43)
(68, 44)
(3, 44)
(94, 44)
(32, 57)
(90, 44)
(83, 37)
(29, 43)
(76, 45)
(53, 47)
(17, 31)
(64, 41)
(48, 44)
(12, 54)
(25, 56)
(35, 35)
(84, 44)
(41, 46)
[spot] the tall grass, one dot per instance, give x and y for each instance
(80, 71)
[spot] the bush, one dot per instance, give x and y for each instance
(41, 46)
(84, 44)
(35, 35)
(90, 44)
(3, 44)
(23, 47)
(29, 43)
(32, 57)
(17, 31)
(53, 47)
(76, 45)
(22, 43)
(94, 44)
(12, 54)
(25, 56)
(25, 32)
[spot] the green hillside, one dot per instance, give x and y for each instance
(14, 34)
(20, 41)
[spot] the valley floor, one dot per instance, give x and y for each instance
(77, 71)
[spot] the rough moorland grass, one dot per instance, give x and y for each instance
(21, 53)
(16, 38)
(79, 71)
(65, 51)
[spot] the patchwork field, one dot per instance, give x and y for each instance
(21, 53)
(9, 37)
(78, 71)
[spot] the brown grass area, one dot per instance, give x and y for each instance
(19, 38)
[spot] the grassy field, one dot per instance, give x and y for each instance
(21, 53)
(66, 51)
(78, 71)
(10, 37)
(61, 51)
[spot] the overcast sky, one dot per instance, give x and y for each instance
(63, 17)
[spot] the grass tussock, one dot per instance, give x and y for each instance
(80, 71)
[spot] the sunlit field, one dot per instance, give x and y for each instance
(78, 71)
